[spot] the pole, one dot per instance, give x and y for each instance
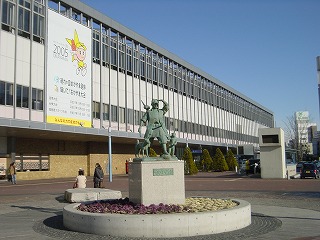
(110, 155)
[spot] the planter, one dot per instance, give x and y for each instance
(158, 225)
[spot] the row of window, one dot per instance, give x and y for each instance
(22, 96)
(178, 79)
(32, 163)
(20, 15)
(134, 116)
(118, 114)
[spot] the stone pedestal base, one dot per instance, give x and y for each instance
(90, 194)
(154, 182)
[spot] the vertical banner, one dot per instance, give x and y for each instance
(68, 72)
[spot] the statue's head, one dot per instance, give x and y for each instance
(155, 103)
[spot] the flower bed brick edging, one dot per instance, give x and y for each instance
(158, 225)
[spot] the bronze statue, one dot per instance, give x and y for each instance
(154, 120)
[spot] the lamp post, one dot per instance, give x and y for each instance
(110, 155)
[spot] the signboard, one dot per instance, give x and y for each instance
(162, 171)
(302, 116)
(68, 72)
(199, 151)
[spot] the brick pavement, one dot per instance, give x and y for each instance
(281, 209)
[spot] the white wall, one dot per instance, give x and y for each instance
(272, 155)
(7, 51)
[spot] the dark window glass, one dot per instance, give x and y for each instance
(25, 97)
(113, 56)
(2, 93)
(114, 113)
(136, 117)
(8, 13)
(96, 110)
(105, 111)
(9, 94)
(19, 96)
(22, 98)
(37, 99)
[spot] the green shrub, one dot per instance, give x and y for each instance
(190, 166)
(219, 162)
(231, 161)
(206, 160)
(199, 165)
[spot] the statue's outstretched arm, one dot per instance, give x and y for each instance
(165, 106)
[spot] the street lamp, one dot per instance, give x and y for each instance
(110, 155)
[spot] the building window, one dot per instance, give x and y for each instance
(121, 45)
(114, 113)
(136, 59)
(136, 117)
(38, 21)
(105, 113)
(76, 16)
(38, 28)
(121, 115)
(113, 48)
(130, 116)
(96, 110)
(8, 13)
(22, 96)
(142, 62)
(53, 5)
(6, 93)
(85, 20)
(37, 99)
(96, 42)
(24, 18)
(105, 46)
(95, 46)
(129, 55)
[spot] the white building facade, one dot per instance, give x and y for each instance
(305, 131)
(70, 73)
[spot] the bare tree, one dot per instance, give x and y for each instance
(295, 131)
(290, 131)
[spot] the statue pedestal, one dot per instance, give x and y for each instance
(154, 182)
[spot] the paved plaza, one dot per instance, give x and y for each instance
(281, 208)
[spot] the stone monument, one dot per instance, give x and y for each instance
(272, 153)
(154, 180)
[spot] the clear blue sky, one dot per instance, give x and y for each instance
(265, 49)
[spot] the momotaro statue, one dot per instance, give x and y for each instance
(154, 120)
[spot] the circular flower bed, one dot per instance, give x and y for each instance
(124, 206)
(201, 216)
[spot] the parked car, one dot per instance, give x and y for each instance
(317, 162)
(309, 169)
(2, 173)
(299, 166)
